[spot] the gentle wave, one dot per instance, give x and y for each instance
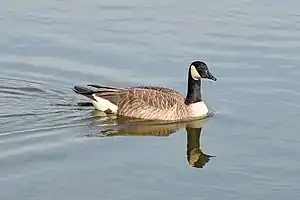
(267, 91)
(37, 147)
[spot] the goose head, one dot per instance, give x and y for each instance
(198, 70)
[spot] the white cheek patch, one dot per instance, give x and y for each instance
(194, 73)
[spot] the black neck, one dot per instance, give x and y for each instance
(193, 91)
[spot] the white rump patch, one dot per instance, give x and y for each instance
(194, 73)
(104, 105)
(198, 109)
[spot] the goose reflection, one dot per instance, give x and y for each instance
(122, 126)
(195, 155)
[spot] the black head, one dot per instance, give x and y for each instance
(198, 70)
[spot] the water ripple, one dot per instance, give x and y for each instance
(48, 46)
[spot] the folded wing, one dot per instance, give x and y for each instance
(145, 102)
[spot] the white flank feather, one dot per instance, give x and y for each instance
(103, 104)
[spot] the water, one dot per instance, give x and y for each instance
(47, 47)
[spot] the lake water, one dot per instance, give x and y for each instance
(47, 47)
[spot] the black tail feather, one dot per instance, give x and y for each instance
(102, 87)
(82, 90)
(103, 90)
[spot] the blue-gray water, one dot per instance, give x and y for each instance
(47, 47)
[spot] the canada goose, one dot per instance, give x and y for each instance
(151, 102)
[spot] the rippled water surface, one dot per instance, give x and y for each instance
(248, 150)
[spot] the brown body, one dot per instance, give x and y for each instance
(145, 102)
